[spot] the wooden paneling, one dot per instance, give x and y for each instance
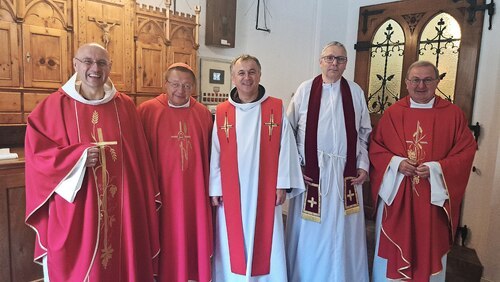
(38, 40)
(150, 66)
(9, 55)
(31, 99)
(11, 118)
(10, 102)
(16, 239)
(45, 56)
(143, 98)
(112, 27)
(183, 44)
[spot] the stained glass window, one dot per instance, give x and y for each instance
(386, 50)
(439, 44)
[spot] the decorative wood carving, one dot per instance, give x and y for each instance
(413, 20)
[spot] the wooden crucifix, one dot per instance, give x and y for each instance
(105, 26)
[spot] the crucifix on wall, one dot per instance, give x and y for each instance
(105, 26)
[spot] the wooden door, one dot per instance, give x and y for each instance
(412, 18)
(392, 36)
(150, 67)
(45, 56)
(9, 55)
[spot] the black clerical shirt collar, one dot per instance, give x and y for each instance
(236, 98)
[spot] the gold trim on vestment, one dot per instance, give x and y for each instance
(350, 206)
(307, 214)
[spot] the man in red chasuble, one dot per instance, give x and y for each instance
(90, 194)
(421, 152)
(178, 129)
(254, 161)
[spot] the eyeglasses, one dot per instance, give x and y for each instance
(340, 59)
(89, 62)
(176, 85)
(416, 81)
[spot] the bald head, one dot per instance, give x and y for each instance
(85, 47)
(93, 66)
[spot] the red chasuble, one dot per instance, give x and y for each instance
(179, 140)
(416, 234)
(270, 137)
(110, 231)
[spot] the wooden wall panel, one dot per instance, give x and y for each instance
(38, 40)
(150, 67)
(183, 45)
(10, 102)
(46, 59)
(17, 240)
(139, 99)
(31, 99)
(9, 55)
(11, 118)
(111, 26)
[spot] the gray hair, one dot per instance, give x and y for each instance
(423, 64)
(333, 43)
(244, 57)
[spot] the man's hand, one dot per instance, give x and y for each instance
(216, 201)
(280, 196)
(423, 171)
(407, 168)
(92, 157)
(360, 178)
(308, 180)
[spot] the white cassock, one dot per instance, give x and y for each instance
(248, 127)
(388, 191)
(335, 248)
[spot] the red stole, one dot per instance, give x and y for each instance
(271, 110)
(311, 210)
(416, 234)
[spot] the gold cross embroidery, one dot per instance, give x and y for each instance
(184, 143)
(312, 202)
(271, 125)
(350, 195)
(226, 126)
(107, 248)
(415, 151)
(104, 216)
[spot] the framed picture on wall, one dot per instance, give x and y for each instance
(216, 76)
(215, 80)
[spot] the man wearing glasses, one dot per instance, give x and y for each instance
(90, 193)
(178, 129)
(326, 238)
(422, 152)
